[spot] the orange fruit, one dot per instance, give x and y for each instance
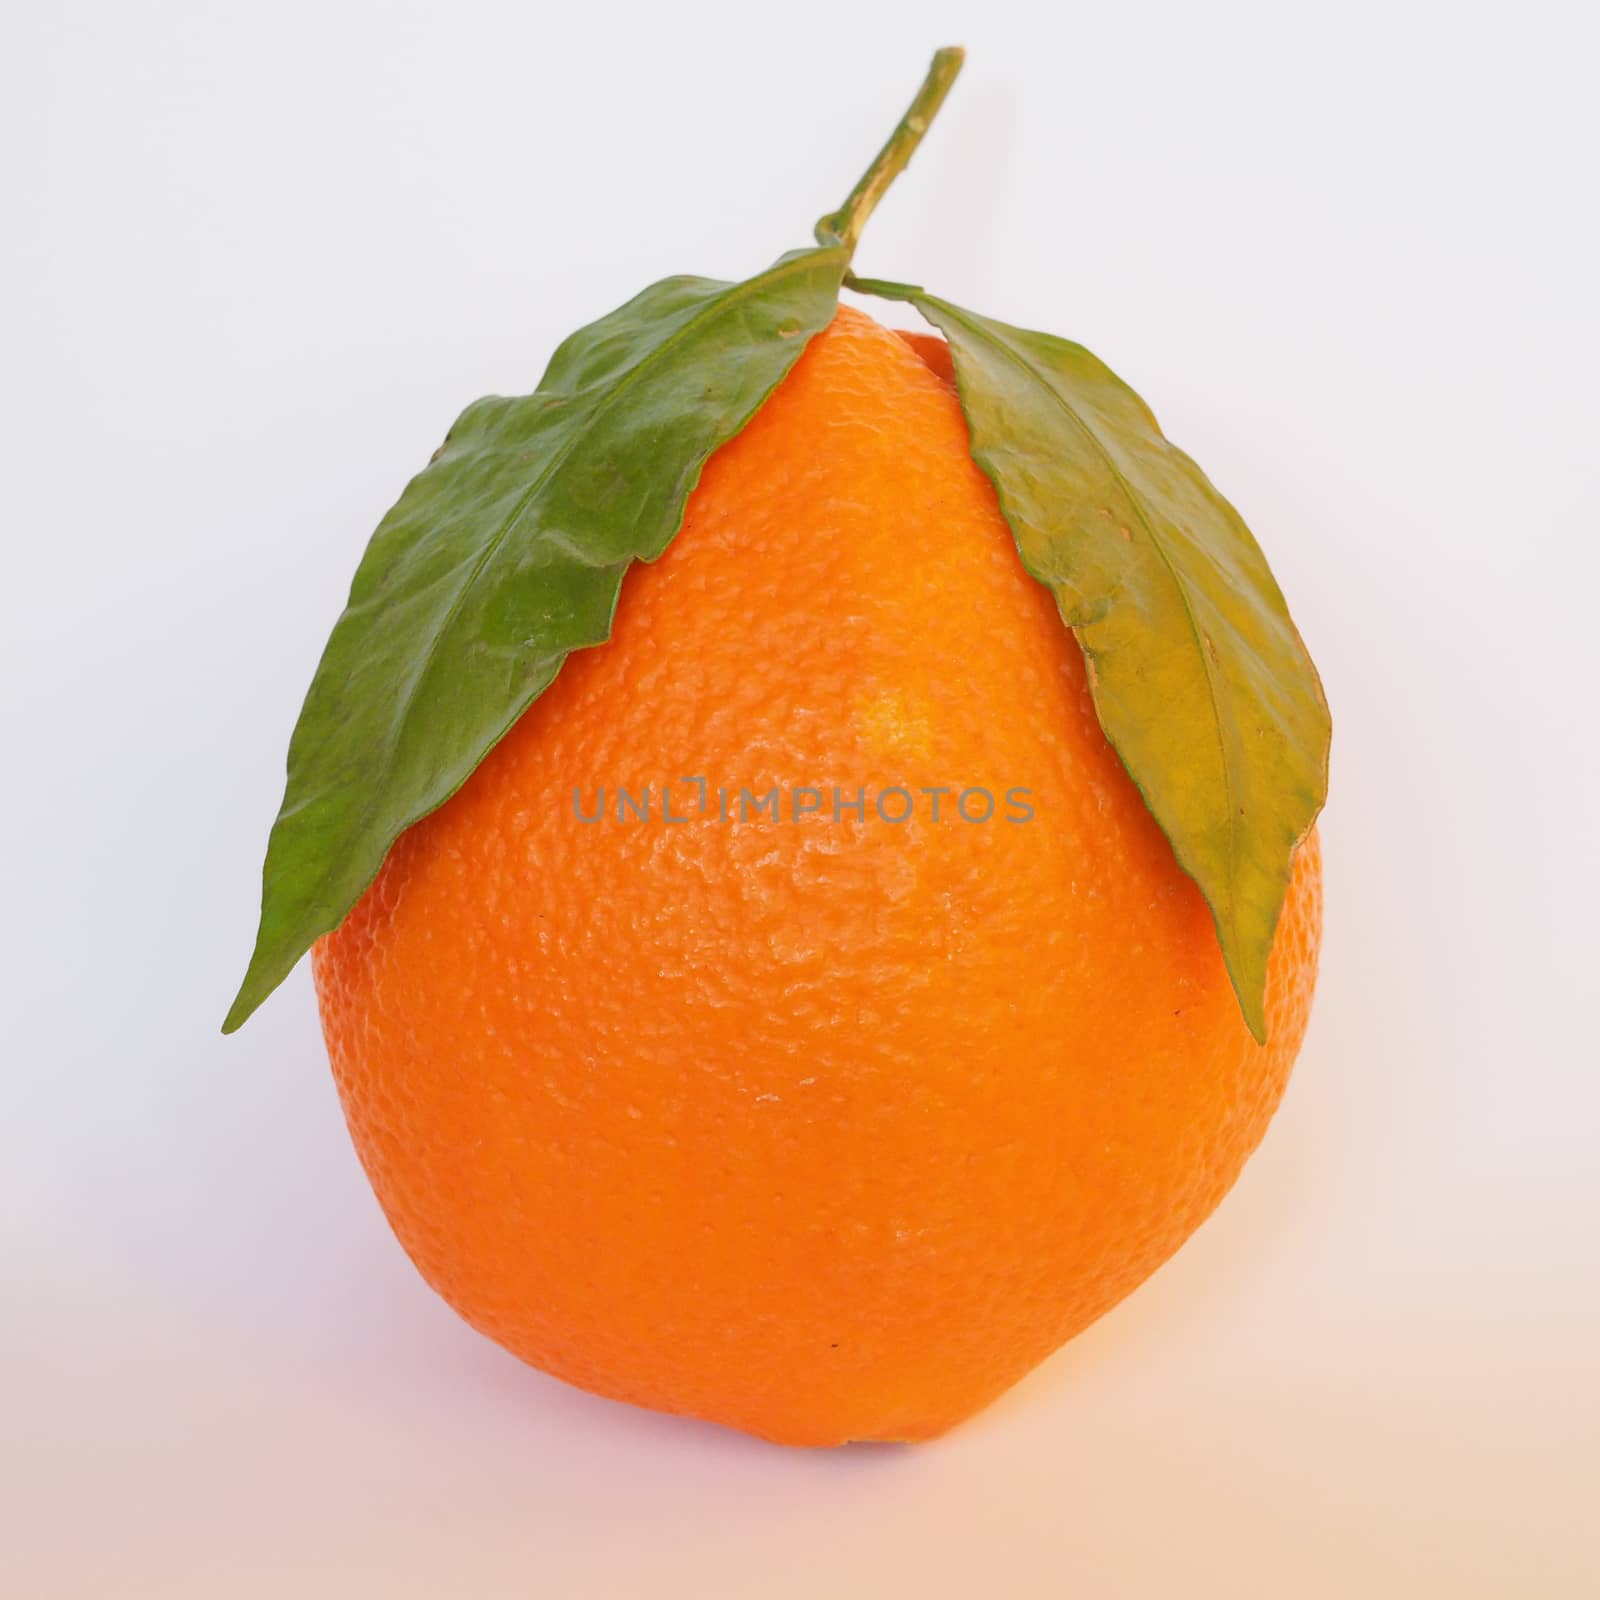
(828, 1128)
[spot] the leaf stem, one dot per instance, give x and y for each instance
(883, 288)
(843, 227)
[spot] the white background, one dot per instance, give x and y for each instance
(258, 258)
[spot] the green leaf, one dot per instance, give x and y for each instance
(504, 555)
(1200, 680)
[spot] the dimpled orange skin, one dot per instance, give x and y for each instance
(823, 1130)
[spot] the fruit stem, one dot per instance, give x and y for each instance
(843, 227)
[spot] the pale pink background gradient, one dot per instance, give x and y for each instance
(259, 257)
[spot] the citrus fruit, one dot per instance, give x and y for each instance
(824, 1125)
(806, 836)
